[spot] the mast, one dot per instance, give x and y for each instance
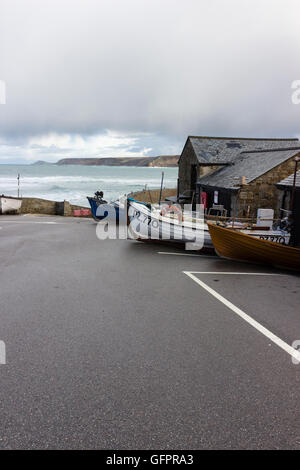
(161, 186)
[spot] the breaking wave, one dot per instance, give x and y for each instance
(74, 183)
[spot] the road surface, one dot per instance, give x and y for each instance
(115, 345)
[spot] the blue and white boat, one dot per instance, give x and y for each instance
(101, 209)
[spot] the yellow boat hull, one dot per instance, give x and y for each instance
(232, 244)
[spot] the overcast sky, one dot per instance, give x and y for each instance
(96, 78)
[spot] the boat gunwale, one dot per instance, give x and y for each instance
(167, 220)
(251, 237)
(11, 197)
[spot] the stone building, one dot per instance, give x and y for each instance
(249, 181)
(204, 155)
(286, 188)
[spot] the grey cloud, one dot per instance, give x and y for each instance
(169, 68)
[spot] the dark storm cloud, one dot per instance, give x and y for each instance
(153, 70)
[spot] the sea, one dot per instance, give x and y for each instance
(74, 182)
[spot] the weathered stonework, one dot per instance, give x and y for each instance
(184, 172)
(206, 170)
(32, 205)
(262, 192)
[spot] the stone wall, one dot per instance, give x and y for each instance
(207, 170)
(152, 196)
(262, 192)
(32, 205)
(187, 159)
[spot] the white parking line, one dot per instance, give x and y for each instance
(187, 254)
(226, 272)
(282, 344)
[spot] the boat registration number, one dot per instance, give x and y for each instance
(273, 238)
(145, 219)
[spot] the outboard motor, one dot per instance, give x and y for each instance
(99, 196)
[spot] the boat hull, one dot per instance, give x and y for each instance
(107, 210)
(10, 205)
(145, 226)
(234, 245)
(278, 236)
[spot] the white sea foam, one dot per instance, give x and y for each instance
(74, 183)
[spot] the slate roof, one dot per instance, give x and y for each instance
(289, 181)
(251, 164)
(209, 150)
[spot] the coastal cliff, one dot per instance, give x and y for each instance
(160, 161)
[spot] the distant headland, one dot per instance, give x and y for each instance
(160, 161)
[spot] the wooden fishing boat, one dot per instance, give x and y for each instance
(235, 245)
(148, 223)
(10, 205)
